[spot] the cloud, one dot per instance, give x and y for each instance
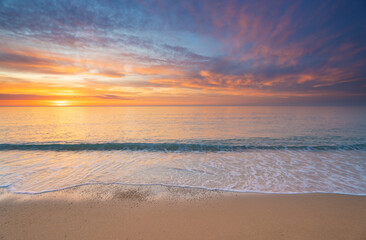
(109, 96)
(49, 63)
(218, 47)
(26, 97)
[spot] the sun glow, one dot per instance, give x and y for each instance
(60, 103)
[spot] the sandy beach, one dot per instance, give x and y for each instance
(157, 212)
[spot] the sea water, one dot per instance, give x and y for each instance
(244, 149)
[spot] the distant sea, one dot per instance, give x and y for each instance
(243, 149)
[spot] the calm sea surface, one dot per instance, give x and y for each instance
(246, 149)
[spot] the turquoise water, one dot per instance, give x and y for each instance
(245, 149)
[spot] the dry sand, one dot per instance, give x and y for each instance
(127, 212)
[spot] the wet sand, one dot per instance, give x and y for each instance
(156, 212)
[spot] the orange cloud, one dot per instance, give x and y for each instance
(156, 70)
(49, 63)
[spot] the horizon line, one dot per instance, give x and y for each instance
(198, 105)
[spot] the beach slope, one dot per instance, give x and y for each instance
(119, 212)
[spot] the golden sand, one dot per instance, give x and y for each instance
(122, 212)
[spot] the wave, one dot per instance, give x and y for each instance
(75, 186)
(169, 147)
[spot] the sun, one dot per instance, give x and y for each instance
(61, 103)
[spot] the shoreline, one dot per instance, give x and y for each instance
(157, 212)
(4, 189)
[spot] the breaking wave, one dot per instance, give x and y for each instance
(171, 147)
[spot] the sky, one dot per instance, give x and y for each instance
(189, 52)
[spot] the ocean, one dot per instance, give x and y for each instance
(242, 149)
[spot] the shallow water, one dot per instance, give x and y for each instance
(248, 149)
